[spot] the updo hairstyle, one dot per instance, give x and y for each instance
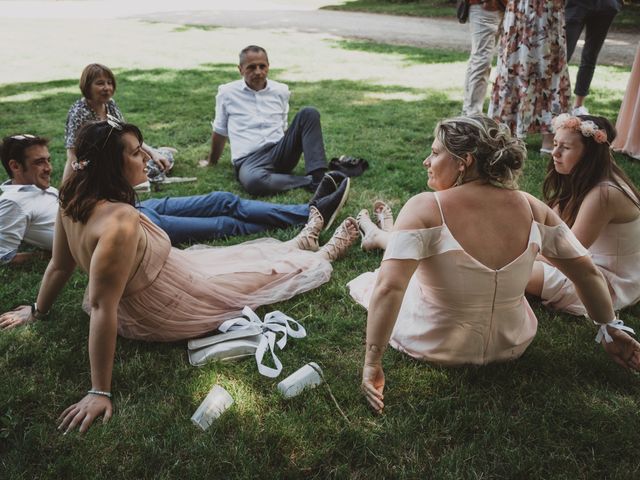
(499, 157)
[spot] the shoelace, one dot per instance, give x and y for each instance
(384, 216)
(341, 240)
(307, 239)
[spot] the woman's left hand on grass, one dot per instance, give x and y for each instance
(624, 350)
(373, 386)
(18, 316)
(84, 412)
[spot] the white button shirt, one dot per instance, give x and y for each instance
(251, 119)
(27, 213)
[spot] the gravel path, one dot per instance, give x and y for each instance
(619, 48)
(54, 39)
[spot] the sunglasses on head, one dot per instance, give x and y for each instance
(114, 123)
(23, 136)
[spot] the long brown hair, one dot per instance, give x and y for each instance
(597, 164)
(99, 174)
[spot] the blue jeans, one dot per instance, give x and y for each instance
(219, 214)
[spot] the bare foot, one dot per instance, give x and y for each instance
(204, 163)
(384, 214)
(342, 239)
(370, 232)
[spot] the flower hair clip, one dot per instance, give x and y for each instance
(586, 128)
(79, 165)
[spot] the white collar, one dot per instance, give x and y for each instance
(10, 187)
(248, 88)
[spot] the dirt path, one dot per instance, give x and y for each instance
(619, 48)
(51, 40)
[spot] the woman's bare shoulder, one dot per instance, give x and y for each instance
(542, 213)
(420, 211)
(113, 211)
(111, 219)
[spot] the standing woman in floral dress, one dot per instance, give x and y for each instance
(532, 82)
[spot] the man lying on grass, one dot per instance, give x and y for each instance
(29, 204)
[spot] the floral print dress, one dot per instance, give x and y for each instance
(532, 83)
(81, 113)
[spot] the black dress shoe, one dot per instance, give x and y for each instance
(329, 184)
(329, 205)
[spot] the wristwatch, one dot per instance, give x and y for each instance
(37, 314)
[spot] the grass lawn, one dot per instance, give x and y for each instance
(563, 410)
(627, 20)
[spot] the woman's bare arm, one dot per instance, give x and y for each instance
(393, 277)
(58, 271)
(71, 157)
(111, 264)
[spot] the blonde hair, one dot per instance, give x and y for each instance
(499, 156)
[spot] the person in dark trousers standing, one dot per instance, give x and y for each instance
(595, 17)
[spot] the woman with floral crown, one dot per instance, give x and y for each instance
(591, 193)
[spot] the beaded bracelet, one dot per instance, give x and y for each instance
(99, 392)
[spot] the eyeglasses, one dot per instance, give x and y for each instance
(24, 136)
(113, 122)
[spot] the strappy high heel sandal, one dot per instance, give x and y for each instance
(384, 214)
(342, 239)
(368, 230)
(307, 239)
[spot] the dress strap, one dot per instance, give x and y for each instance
(524, 197)
(435, 194)
(624, 188)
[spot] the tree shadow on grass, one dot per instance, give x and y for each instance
(541, 415)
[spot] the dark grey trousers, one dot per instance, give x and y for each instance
(268, 170)
(596, 23)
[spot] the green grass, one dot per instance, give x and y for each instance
(563, 410)
(411, 8)
(188, 26)
(628, 20)
(411, 54)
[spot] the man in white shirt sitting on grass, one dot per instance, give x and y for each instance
(252, 113)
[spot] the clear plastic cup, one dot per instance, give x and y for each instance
(306, 377)
(213, 405)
